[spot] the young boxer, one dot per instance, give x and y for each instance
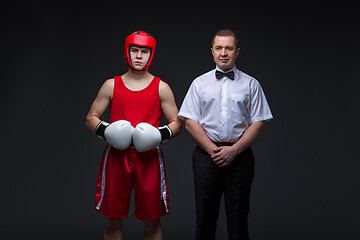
(133, 158)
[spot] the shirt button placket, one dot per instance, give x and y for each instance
(223, 109)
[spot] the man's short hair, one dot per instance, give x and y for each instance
(224, 33)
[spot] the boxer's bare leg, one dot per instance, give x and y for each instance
(114, 229)
(153, 230)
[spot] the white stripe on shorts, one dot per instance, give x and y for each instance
(103, 177)
(163, 180)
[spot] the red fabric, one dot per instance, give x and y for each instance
(136, 106)
(120, 171)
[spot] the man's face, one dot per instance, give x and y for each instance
(224, 52)
(139, 57)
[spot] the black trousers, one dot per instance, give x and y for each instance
(211, 182)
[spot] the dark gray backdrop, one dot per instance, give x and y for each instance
(56, 56)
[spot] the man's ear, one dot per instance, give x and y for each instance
(237, 51)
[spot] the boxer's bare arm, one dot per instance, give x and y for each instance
(169, 108)
(200, 137)
(100, 104)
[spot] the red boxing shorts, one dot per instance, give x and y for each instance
(120, 171)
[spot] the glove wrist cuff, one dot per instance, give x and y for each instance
(166, 133)
(100, 129)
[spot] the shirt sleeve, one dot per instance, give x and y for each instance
(259, 107)
(190, 107)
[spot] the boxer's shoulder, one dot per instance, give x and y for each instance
(164, 90)
(107, 88)
(109, 82)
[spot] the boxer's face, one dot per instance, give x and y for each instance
(139, 57)
(224, 52)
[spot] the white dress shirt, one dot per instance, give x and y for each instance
(225, 108)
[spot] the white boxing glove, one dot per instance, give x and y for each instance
(146, 136)
(119, 134)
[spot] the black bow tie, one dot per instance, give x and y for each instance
(220, 75)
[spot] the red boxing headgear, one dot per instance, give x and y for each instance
(140, 39)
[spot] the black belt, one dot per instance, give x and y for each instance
(221, 144)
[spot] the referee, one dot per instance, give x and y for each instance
(224, 111)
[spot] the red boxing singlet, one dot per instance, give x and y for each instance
(136, 106)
